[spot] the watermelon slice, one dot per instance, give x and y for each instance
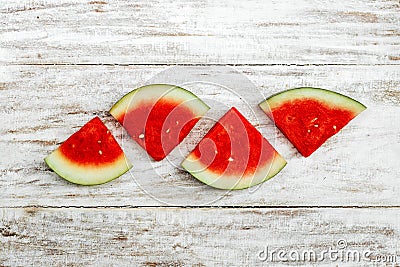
(309, 116)
(233, 155)
(159, 116)
(90, 156)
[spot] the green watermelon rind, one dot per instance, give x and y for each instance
(86, 175)
(325, 96)
(153, 92)
(234, 182)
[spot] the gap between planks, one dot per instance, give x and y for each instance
(236, 207)
(203, 64)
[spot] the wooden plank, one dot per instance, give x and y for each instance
(42, 106)
(197, 237)
(235, 32)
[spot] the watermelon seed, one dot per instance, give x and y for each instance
(334, 127)
(167, 131)
(177, 122)
(99, 141)
(100, 152)
(73, 145)
(314, 119)
(230, 159)
(316, 125)
(141, 136)
(308, 131)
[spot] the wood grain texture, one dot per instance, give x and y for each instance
(42, 106)
(193, 237)
(352, 47)
(227, 32)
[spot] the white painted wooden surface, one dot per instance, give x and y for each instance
(64, 61)
(164, 31)
(46, 104)
(192, 237)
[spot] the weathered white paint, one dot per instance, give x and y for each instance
(42, 106)
(348, 46)
(164, 31)
(193, 237)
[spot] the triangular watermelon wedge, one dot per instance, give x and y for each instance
(159, 116)
(309, 116)
(233, 155)
(90, 156)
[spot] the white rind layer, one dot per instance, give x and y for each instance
(84, 174)
(221, 181)
(152, 93)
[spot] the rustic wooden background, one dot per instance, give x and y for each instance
(64, 61)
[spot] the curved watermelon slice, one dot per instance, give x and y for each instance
(90, 156)
(233, 155)
(309, 116)
(159, 116)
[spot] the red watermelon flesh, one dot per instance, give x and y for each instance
(309, 116)
(89, 156)
(159, 127)
(233, 155)
(159, 116)
(89, 145)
